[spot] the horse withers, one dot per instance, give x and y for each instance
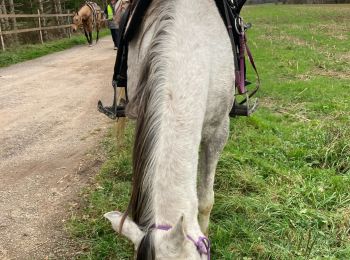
(181, 90)
(89, 16)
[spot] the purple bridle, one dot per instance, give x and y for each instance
(202, 244)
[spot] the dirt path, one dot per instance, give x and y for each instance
(49, 133)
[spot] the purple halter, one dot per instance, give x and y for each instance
(202, 244)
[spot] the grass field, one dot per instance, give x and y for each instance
(282, 186)
(22, 53)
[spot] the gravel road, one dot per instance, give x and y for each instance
(49, 135)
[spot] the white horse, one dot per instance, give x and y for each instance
(181, 90)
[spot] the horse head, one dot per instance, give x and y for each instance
(77, 21)
(160, 242)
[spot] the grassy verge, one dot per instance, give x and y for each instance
(282, 186)
(22, 53)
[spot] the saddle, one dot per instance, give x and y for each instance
(95, 10)
(236, 28)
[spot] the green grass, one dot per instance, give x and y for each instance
(22, 53)
(282, 185)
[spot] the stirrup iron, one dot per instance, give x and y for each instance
(114, 111)
(244, 108)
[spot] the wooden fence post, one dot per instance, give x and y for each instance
(40, 32)
(2, 40)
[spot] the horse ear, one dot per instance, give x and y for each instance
(177, 235)
(129, 230)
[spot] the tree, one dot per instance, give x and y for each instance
(5, 21)
(13, 20)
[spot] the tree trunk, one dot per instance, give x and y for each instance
(55, 5)
(43, 20)
(61, 19)
(12, 11)
(13, 20)
(5, 21)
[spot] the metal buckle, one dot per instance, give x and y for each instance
(232, 3)
(238, 25)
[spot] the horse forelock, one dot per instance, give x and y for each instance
(147, 105)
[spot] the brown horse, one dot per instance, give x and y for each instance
(89, 16)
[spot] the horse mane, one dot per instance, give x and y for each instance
(146, 250)
(147, 106)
